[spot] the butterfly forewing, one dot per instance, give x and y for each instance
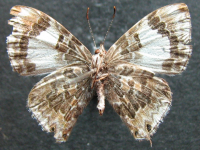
(59, 98)
(39, 44)
(157, 42)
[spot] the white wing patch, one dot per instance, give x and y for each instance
(39, 44)
(157, 42)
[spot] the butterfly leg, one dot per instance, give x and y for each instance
(103, 76)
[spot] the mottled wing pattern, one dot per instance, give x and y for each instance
(39, 44)
(140, 98)
(157, 42)
(59, 98)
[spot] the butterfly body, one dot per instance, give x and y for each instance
(124, 75)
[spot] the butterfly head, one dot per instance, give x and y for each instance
(98, 57)
(101, 50)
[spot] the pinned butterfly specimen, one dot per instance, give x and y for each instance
(124, 75)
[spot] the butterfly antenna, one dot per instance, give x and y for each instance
(87, 16)
(110, 24)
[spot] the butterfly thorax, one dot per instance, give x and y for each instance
(99, 76)
(98, 57)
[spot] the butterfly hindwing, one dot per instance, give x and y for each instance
(140, 98)
(59, 98)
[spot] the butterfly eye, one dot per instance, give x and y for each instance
(97, 51)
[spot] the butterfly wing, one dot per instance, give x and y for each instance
(39, 44)
(140, 98)
(59, 98)
(157, 42)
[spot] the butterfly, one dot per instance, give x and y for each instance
(124, 75)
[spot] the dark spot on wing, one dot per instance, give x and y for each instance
(148, 127)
